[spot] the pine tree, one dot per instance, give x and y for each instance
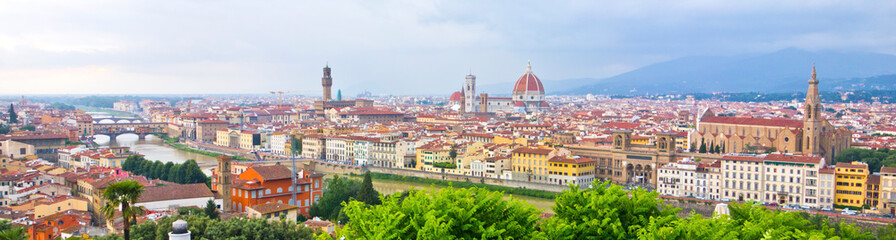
(693, 147)
(723, 148)
(367, 194)
(211, 209)
(718, 149)
(712, 147)
(13, 118)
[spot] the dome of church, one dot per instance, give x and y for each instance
(528, 82)
(456, 97)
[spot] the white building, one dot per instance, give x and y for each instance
(277, 143)
(680, 179)
(335, 149)
(174, 196)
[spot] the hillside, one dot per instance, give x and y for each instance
(782, 71)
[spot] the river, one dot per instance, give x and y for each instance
(153, 148)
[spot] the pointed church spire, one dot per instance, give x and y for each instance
(813, 70)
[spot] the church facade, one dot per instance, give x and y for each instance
(813, 135)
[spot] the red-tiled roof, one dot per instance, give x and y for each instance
(174, 192)
(793, 158)
(850, 165)
(213, 121)
(273, 172)
(887, 170)
(564, 159)
(533, 150)
(742, 158)
(777, 122)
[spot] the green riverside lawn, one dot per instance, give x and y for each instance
(458, 184)
(173, 142)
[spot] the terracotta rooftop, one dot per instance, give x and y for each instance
(742, 158)
(533, 150)
(887, 170)
(273, 172)
(174, 192)
(564, 159)
(793, 158)
(777, 122)
(272, 207)
(850, 165)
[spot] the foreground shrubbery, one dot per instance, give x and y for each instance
(202, 227)
(604, 211)
(445, 183)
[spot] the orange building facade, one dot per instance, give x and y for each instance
(266, 184)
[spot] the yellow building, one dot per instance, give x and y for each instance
(564, 170)
(60, 205)
(531, 164)
(850, 184)
(506, 140)
(433, 153)
(234, 138)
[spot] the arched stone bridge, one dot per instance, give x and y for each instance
(140, 129)
(97, 120)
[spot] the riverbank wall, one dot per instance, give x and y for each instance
(329, 167)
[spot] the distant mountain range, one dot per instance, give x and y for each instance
(786, 70)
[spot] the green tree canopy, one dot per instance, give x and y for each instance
(329, 205)
(605, 211)
(874, 158)
(13, 118)
(447, 213)
(211, 209)
(366, 193)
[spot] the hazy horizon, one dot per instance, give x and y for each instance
(395, 47)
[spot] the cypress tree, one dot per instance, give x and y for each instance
(702, 147)
(367, 194)
(13, 118)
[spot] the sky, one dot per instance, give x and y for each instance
(401, 47)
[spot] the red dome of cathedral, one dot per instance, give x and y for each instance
(456, 97)
(528, 82)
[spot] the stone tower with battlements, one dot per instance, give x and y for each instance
(327, 82)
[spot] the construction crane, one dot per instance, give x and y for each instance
(280, 103)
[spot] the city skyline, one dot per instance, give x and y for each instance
(418, 48)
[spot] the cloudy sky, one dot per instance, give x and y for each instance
(396, 47)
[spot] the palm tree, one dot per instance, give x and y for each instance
(122, 196)
(16, 233)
